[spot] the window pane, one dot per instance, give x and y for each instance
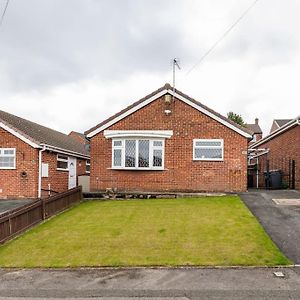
(208, 143)
(157, 143)
(208, 153)
(117, 157)
(130, 152)
(157, 158)
(62, 165)
(9, 152)
(117, 143)
(144, 153)
(7, 162)
(62, 157)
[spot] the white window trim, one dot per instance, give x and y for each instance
(63, 160)
(208, 140)
(151, 148)
(147, 134)
(10, 155)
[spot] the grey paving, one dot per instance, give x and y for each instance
(6, 205)
(281, 222)
(183, 283)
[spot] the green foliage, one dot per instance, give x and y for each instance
(193, 231)
(238, 119)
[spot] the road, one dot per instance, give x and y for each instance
(164, 283)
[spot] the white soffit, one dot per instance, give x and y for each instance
(138, 133)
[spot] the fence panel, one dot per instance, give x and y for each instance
(20, 219)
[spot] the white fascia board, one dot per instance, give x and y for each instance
(19, 136)
(64, 151)
(158, 95)
(138, 133)
(127, 113)
(211, 115)
(277, 132)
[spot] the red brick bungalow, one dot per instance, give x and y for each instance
(34, 159)
(279, 147)
(168, 141)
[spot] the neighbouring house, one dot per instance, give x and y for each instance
(168, 141)
(79, 137)
(279, 152)
(36, 161)
(257, 132)
(277, 123)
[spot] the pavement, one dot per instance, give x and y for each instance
(147, 283)
(281, 222)
(6, 205)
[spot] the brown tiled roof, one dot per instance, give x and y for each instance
(40, 134)
(255, 128)
(282, 122)
(167, 86)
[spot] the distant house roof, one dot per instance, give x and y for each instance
(80, 137)
(255, 128)
(38, 136)
(281, 122)
(292, 123)
(167, 89)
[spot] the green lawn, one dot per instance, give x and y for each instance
(196, 231)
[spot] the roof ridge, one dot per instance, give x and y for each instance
(168, 87)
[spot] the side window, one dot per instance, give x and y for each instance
(208, 149)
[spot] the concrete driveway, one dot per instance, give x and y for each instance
(281, 222)
(6, 205)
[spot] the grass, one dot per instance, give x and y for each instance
(197, 231)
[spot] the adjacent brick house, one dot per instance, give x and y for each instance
(34, 159)
(281, 146)
(168, 141)
(277, 123)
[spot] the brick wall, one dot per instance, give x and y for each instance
(58, 179)
(12, 184)
(181, 172)
(284, 147)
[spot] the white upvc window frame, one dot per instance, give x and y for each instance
(8, 155)
(63, 160)
(210, 147)
(87, 163)
(151, 150)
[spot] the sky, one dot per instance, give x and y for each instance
(70, 64)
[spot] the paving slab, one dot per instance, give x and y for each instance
(281, 222)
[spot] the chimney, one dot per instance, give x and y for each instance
(256, 121)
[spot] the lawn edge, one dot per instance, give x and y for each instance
(152, 267)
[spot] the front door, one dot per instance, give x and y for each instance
(72, 172)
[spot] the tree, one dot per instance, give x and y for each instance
(236, 118)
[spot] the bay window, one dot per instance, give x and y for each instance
(138, 153)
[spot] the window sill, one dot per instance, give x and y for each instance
(138, 169)
(8, 168)
(64, 170)
(208, 159)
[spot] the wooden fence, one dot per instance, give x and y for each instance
(18, 220)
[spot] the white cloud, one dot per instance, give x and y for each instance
(71, 69)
